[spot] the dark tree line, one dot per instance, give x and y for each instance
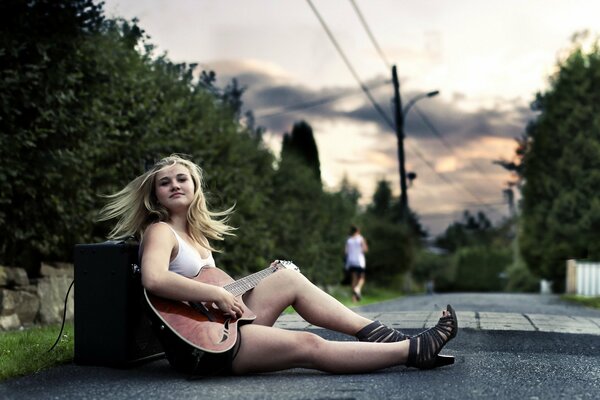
(86, 105)
(560, 168)
(557, 162)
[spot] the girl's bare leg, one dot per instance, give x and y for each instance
(265, 349)
(286, 287)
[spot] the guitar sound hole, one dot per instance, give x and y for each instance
(225, 330)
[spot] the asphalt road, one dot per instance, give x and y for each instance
(507, 364)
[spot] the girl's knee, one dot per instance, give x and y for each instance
(291, 276)
(308, 345)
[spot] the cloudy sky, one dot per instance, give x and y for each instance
(487, 59)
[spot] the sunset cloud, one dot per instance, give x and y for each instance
(445, 142)
(487, 60)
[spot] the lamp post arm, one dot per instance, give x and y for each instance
(417, 98)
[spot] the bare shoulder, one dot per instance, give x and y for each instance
(159, 233)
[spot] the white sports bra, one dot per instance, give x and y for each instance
(188, 261)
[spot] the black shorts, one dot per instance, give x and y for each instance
(189, 360)
(356, 269)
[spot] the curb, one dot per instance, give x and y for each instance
(485, 321)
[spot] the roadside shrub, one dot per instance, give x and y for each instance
(479, 269)
(520, 279)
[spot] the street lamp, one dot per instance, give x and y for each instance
(417, 98)
(400, 113)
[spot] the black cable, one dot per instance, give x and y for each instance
(453, 214)
(64, 317)
(371, 36)
(364, 88)
(312, 103)
(450, 182)
(376, 105)
(437, 133)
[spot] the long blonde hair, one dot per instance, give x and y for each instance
(136, 206)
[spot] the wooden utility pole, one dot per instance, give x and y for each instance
(400, 136)
(510, 198)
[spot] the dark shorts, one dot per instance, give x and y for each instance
(189, 360)
(356, 269)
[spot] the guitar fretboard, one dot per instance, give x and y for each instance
(241, 286)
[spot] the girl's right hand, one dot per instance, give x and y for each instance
(228, 303)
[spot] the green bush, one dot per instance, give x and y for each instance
(391, 248)
(479, 269)
(429, 265)
(520, 279)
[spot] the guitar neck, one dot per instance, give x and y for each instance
(241, 286)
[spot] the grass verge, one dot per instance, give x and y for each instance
(593, 302)
(26, 352)
(371, 294)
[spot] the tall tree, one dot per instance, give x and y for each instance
(301, 143)
(472, 230)
(84, 104)
(43, 88)
(382, 199)
(561, 168)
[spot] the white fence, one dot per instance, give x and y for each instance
(583, 278)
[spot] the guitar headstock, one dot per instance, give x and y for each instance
(285, 264)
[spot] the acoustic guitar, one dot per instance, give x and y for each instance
(204, 327)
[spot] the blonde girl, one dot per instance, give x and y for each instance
(167, 210)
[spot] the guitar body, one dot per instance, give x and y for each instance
(209, 329)
(188, 330)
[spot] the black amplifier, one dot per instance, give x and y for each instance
(111, 324)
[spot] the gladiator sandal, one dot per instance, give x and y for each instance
(378, 332)
(423, 351)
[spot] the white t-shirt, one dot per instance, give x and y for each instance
(354, 252)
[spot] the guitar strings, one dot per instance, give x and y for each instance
(240, 287)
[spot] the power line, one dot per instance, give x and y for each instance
(375, 104)
(371, 36)
(450, 182)
(449, 214)
(437, 133)
(313, 103)
(500, 204)
(349, 65)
